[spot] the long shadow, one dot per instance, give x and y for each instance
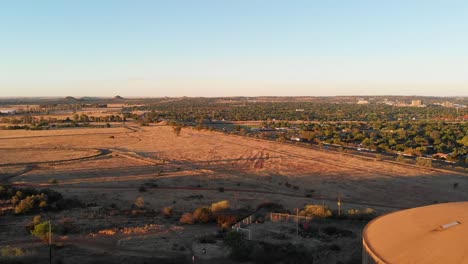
(386, 191)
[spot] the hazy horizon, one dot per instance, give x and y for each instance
(243, 48)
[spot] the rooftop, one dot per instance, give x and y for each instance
(429, 234)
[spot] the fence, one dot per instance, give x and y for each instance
(242, 226)
(279, 217)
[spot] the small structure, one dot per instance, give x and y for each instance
(298, 138)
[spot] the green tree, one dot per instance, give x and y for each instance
(464, 141)
(41, 230)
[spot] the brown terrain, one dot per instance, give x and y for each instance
(106, 167)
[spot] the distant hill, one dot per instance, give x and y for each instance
(118, 97)
(71, 99)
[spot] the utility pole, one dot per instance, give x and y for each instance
(297, 222)
(339, 206)
(50, 243)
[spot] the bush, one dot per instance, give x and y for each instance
(400, 158)
(37, 219)
(140, 202)
(366, 214)
(142, 189)
(378, 157)
(226, 221)
(53, 181)
(26, 205)
(316, 210)
(187, 218)
(41, 230)
(423, 162)
(203, 215)
(220, 206)
(167, 211)
(12, 252)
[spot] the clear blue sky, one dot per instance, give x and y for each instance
(233, 47)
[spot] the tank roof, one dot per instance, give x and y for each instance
(429, 234)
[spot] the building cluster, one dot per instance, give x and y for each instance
(413, 103)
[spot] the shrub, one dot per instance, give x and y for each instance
(41, 230)
(316, 210)
(203, 215)
(220, 206)
(167, 211)
(37, 219)
(142, 189)
(378, 157)
(423, 162)
(221, 189)
(12, 252)
(226, 221)
(25, 206)
(53, 181)
(400, 158)
(366, 214)
(140, 202)
(187, 218)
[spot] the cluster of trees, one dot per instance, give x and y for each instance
(56, 107)
(209, 109)
(414, 138)
(410, 138)
(27, 200)
(34, 123)
(217, 212)
(83, 118)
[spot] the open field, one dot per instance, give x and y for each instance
(106, 168)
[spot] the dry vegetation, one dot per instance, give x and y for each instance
(139, 185)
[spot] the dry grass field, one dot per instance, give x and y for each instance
(106, 167)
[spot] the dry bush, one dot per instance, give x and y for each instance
(226, 221)
(140, 202)
(12, 252)
(220, 206)
(187, 218)
(167, 211)
(423, 162)
(316, 210)
(366, 214)
(203, 214)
